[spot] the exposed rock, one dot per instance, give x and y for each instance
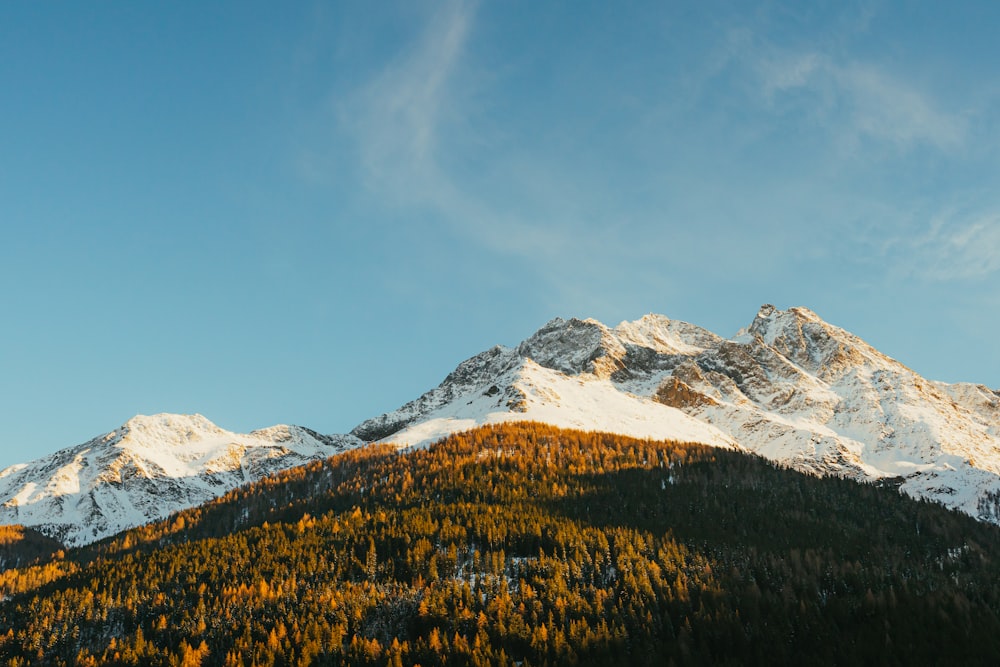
(674, 392)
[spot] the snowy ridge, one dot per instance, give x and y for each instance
(534, 393)
(146, 469)
(561, 375)
(789, 387)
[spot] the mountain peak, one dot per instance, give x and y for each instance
(571, 346)
(766, 311)
(770, 316)
(791, 387)
(166, 430)
(170, 421)
(804, 338)
(663, 335)
(150, 466)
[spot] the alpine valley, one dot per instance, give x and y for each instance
(790, 387)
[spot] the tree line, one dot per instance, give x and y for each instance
(523, 544)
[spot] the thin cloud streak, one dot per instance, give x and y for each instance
(960, 244)
(861, 101)
(960, 250)
(888, 109)
(397, 116)
(417, 118)
(414, 117)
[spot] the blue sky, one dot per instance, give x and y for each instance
(311, 212)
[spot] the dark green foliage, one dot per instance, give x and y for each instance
(20, 546)
(524, 543)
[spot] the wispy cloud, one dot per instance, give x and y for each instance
(788, 72)
(415, 124)
(958, 244)
(884, 107)
(397, 116)
(870, 113)
(957, 248)
(859, 100)
(424, 117)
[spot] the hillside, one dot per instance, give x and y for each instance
(790, 387)
(525, 544)
(21, 546)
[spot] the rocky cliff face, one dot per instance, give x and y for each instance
(473, 377)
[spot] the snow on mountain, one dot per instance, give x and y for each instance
(146, 469)
(789, 387)
(562, 376)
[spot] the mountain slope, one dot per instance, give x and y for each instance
(790, 387)
(524, 544)
(563, 375)
(146, 469)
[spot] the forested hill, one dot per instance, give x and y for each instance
(21, 546)
(525, 544)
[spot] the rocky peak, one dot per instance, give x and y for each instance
(164, 429)
(802, 337)
(475, 376)
(765, 311)
(771, 322)
(666, 336)
(471, 371)
(632, 348)
(575, 346)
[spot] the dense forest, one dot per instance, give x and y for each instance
(20, 546)
(524, 544)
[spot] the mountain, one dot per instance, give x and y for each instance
(146, 469)
(572, 374)
(523, 544)
(790, 387)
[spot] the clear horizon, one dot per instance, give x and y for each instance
(310, 214)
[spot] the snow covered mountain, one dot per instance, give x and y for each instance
(790, 387)
(145, 470)
(567, 374)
